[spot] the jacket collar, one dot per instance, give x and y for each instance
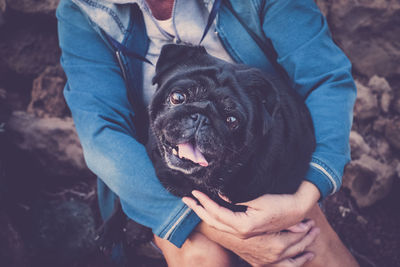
(113, 16)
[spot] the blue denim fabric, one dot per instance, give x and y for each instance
(321, 73)
(317, 69)
(99, 97)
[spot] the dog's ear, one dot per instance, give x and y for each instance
(264, 90)
(173, 55)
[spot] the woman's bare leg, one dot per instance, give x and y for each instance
(328, 248)
(197, 250)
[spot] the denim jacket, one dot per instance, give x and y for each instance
(104, 85)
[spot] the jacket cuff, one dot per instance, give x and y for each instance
(179, 229)
(323, 178)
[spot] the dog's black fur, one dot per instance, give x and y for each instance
(268, 152)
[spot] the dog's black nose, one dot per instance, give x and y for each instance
(199, 118)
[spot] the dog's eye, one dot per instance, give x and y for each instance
(177, 98)
(232, 122)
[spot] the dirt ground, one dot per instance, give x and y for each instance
(372, 234)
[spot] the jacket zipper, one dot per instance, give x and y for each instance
(121, 65)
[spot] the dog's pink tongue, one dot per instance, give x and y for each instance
(189, 152)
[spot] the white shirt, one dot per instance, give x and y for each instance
(187, 24)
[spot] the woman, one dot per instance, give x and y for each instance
(104, 43)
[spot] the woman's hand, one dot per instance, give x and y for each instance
(268, 213)
(282, 249)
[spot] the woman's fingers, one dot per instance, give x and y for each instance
(206, 217)
(241, 224)
(221, 218)
(212, 207)
(300, 227)
(224, 198)
(295, 262)
(300, 246)
(301, 260)
(221, 214)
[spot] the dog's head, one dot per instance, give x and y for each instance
(208, 114)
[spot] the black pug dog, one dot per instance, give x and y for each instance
(220, 128)
(225, 128)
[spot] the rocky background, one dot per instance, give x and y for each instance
(48, 212)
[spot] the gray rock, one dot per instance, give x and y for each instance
(396, 105)
(3, 93)
(368, 180)
(384, 151)
(392, 132)
(2, 12)
(358, 146)
(47, 98)
(3, 5)
(385, 101)
(62, 232)
(46, 7)
(368, 33)
(366, 106)
(28, 50)
(381, 150)
(381, 87)
(324, 6)
(52, 142)
(12, 247)
(380, 124)
(4, 109)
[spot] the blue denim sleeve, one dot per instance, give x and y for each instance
(96, 94)
(321, 73)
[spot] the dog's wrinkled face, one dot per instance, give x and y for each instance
(207, 113)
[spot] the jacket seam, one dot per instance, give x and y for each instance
(328, 172)
(257, 5)
(177, 222)
(225, 43)
(109, 11)
(171, 224)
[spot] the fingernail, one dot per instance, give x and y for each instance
(310, 223)
(302, 226)
(224, 198)
(306, 225)
(310, 257)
